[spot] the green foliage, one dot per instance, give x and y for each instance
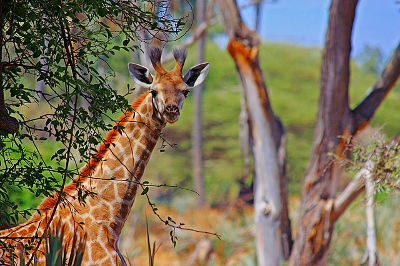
(63, 44)
(384, 156)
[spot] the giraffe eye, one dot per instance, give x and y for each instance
(153, 92)
(185, 92)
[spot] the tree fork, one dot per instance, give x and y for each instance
(315, 225)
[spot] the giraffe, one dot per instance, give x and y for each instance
(113, 172)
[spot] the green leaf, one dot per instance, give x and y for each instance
(145, 190)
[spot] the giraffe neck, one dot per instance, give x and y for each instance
(115, 179)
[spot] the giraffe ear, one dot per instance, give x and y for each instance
(141, 75)
(196, 75)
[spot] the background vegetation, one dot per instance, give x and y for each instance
(292, 74)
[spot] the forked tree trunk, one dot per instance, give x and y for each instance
(273, 234)
(315, 224)
(336, 123)
(197, 134)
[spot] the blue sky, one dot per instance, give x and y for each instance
(304, 22)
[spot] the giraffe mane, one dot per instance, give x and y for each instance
(51, 201)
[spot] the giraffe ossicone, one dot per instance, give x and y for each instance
(112, 173)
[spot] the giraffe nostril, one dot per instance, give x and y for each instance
(171, 108)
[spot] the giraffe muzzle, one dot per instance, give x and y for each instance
(171, 113)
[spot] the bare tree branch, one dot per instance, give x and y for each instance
(353, 189)
(349, 194)
(197, 34)
(254, 2)
(363, 113)
(369, 211)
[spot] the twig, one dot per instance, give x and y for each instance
(200, 31)
(352, 190)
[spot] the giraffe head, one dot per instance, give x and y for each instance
(169, 88)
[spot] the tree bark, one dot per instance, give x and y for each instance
(363, 113)
(245, 140)
(40, 85)
(315, 224)
(7, 123)
(273, 234)
(197, 134)
(336, 123)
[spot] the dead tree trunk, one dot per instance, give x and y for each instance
(273, 234)
(245, 140)
(40, 85)
(335, 124)
(245, 135)
(197, 133)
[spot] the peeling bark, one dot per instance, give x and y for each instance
(336, 124)
(273, 233)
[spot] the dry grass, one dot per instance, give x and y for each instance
(234, 223)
